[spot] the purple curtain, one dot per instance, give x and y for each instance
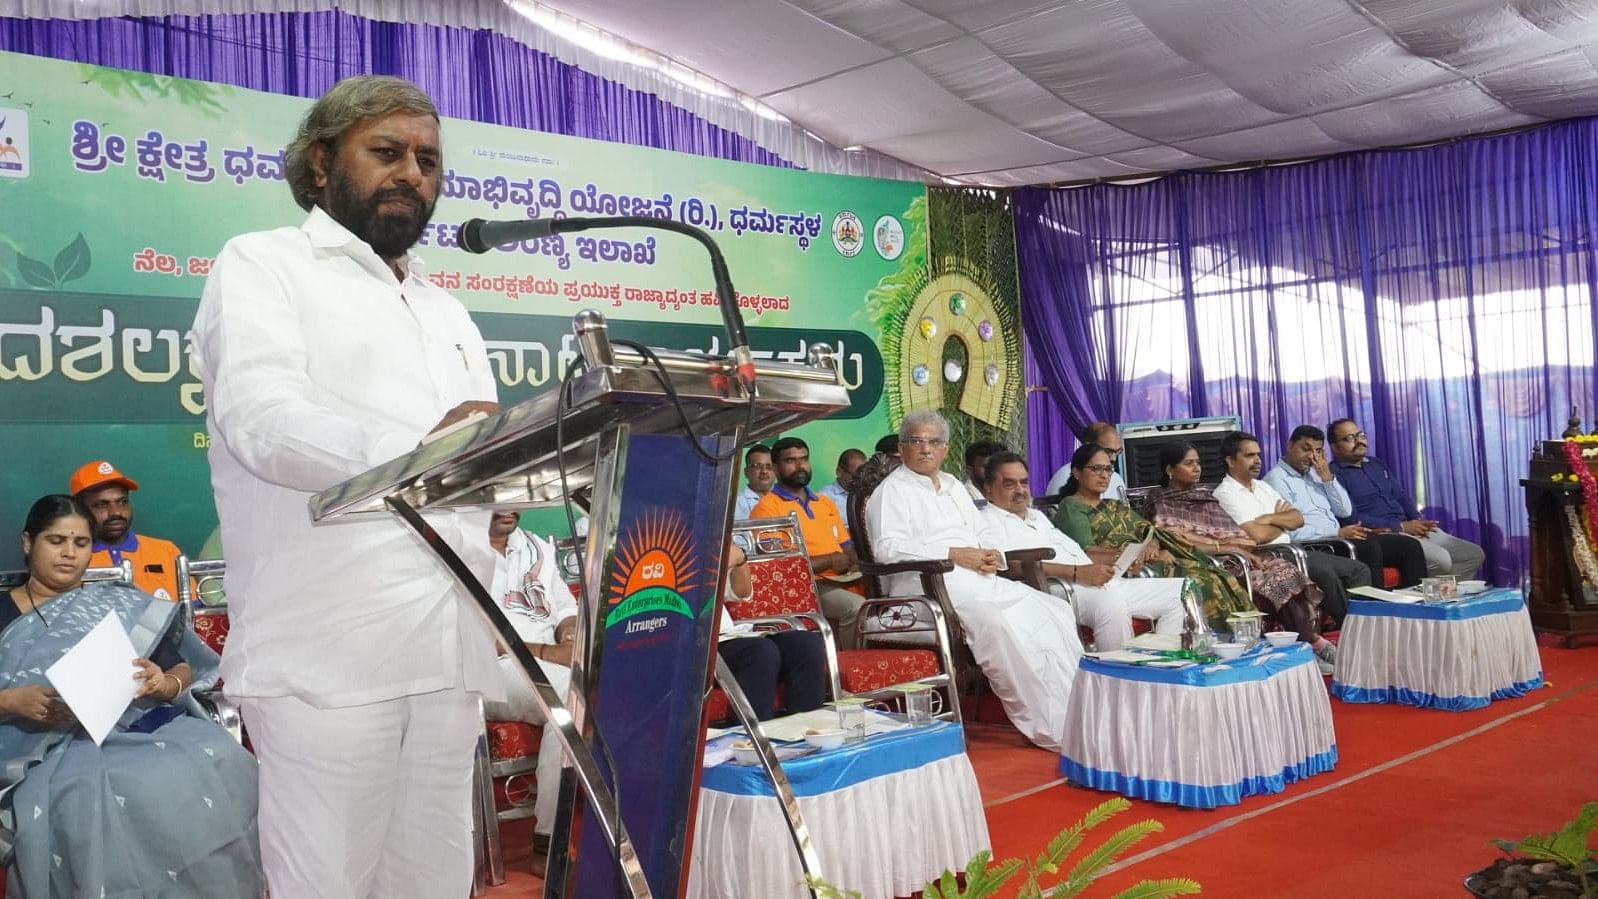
(1442, 297)
(470, 74)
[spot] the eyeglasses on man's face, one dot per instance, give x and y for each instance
(1099, 469)
(933, 442)
(1350, 438)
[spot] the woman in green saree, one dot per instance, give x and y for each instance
(1105, 526)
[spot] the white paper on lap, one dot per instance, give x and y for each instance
(95, 677)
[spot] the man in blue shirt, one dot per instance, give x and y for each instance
(1304, 477)
(1381, 503)
(838, 491)
(759, 475)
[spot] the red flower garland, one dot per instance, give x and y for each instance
(1589, 486)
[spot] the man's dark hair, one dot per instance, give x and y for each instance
(787, 443)
(1332, 428)
(998, 460)
(1306, 432)
(1233, 442)
(1094, 431)
(850, 453)
(983, 448)
(756, 448)
(889, 445)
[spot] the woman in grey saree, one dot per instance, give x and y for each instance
(165, 807)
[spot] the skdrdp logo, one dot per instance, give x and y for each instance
(14, 151)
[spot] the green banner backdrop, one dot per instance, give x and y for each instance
(118, 188)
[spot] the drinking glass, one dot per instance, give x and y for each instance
(852, 720)
(917, 705)
(1431, 589)
(1447, 586)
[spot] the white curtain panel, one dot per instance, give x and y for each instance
(786, 139)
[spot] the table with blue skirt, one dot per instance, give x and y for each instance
(1201, 736)
(1457, 655)
(885, 816)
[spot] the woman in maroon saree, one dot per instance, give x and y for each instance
(1190, 510)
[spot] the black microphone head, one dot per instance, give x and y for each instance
(471, 239)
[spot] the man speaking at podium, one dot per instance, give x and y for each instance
(324, 352)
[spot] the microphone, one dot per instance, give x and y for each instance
(479, 236)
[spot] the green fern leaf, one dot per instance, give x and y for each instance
(1105, 853)
(1161, 889)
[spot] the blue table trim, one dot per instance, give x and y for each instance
(836, 769)
(1260, 663)
(1406, 696)
(1194, 796)
(1490, 602)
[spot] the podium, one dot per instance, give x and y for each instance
(653, 437)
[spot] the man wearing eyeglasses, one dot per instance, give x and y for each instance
(1381, 504)
(759, 475)
(1025, 640)
(1103, 435)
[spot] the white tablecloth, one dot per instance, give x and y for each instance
(899, 823)
(1200, 736)
(1455, 656)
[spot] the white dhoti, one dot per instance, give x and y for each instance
(366, 801)
(1026, 644)
(1109, 609)
(520, 705)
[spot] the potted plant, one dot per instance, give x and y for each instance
(1558, 865)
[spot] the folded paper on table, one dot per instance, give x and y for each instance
(1163, 642)
(1385, 595)
(95, 677)
(792, 728)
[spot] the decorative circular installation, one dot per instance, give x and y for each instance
(954, 306)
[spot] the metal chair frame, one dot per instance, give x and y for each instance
(748, 534)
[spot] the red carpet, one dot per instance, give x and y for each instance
(1408, 811)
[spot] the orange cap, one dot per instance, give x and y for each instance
(99, 473)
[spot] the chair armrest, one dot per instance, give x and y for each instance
(1235, 564)
(1337, 546)
(1026, 566)
(1288, 551)
(924, 566)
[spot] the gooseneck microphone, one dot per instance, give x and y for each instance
(479, 236)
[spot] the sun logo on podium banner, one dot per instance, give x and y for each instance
(655, 566)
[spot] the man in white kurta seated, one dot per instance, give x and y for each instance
(1103, 601)
(1024, 640)
(541, 608)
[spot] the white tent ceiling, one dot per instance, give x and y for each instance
(1010, 92)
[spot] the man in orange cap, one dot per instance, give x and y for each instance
(105, 491)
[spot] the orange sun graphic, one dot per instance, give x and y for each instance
(655, 552)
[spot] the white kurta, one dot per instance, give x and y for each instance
(1025, 641)
(1109, 609)
(536, 601)
(319, 365)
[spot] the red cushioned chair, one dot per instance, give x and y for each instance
(204, 609)
(785, 597)
(504, 785)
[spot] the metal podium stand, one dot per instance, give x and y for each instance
(633, 725)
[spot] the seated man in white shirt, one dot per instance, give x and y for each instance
(1261, 512)
(1104, 602)
(541, 608)
(1103, 435)
(1025, 640)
